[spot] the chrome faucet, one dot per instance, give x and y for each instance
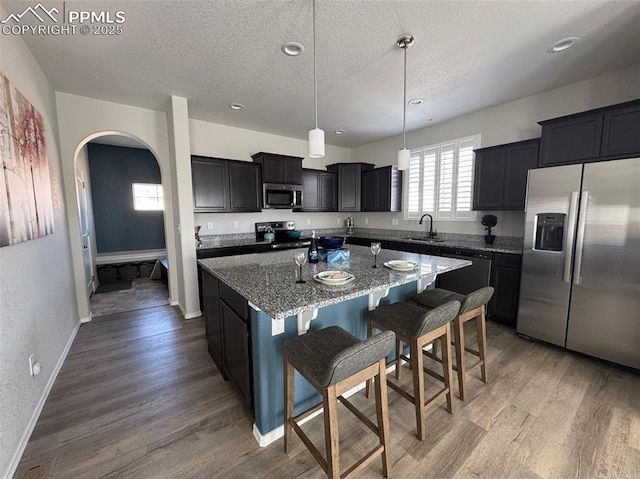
(431, 233)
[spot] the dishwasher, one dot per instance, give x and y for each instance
(469, 279)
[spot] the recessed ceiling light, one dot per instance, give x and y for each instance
(236, 106)
(562, 45)
(340, 132)
(416, 101)
(426, 120)
(293, 49)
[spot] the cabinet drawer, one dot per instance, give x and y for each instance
(234, 300)
(508, 260)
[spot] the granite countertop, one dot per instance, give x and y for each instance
(267, 281)
(503, 244)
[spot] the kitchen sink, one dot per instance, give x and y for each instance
(424, 240)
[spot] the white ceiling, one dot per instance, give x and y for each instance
(467, 55)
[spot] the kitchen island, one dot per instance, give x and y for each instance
(253, 304)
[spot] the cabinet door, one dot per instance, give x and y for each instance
(518, 161)
(210, 184)
(237, 359)
(574, 139)
(328, 191)
(212, 320)
(272, 169)
(245, 186)
(414, 248)
(505, 278)
(621, 132)
(489, 179)
(311, 190)
(349, 187)
(292, 169)
(369, 202)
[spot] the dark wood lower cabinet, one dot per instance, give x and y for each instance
(505, 278)
(227, 322)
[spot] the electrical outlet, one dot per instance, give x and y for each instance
(394, 221)
(209, 225)
(308, 221)
(366, 221)
(34, 366)
(338, 221)
(235, 224)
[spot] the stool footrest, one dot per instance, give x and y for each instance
(472, 351)
(364, 462)
(307, 442)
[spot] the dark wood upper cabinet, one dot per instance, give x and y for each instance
(319, 190)
(221, 185)
(621, 132)
(382, 189)
(245, 186)
(519, 159)
(603, 134)
(279, 168)
(210, 184)
(573, 139)
(500, 180)
(349, 184)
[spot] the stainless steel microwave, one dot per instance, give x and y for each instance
(281, 196)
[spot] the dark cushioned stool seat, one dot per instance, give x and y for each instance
(418, 328)
(331, 355)
(334, 361)
(472, 306)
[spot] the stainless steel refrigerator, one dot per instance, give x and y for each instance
(580, 285)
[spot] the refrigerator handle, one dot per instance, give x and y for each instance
(571, 227)
(582, 221)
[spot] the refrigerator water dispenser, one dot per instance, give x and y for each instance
(549, 232)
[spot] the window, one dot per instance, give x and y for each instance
(439, 180)
(147, 197)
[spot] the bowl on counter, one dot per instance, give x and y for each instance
(331, 242)
(294, 234)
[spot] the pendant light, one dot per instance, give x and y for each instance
(404, 155)
(316, 135)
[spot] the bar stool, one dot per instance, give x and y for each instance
(334, 361)
(472, 306)
(418, 328)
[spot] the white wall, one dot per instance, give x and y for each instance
(506, 123)
(82, 119)
(211, 139)
(37, 298)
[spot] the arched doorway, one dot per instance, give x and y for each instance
(117, 237)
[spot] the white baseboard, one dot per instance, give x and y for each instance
(15, 460)
(185, 315)
(87, 319)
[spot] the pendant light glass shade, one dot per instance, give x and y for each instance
(316, 143)
(316, 135)
(404, 156)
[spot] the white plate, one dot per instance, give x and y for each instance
(401, 265)
(334, 277)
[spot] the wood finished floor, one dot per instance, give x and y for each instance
(138, 397)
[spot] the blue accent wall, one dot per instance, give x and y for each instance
(113, 169)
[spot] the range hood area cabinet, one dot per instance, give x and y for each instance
(280, 169)
(225, 186)
(350, 184)
(320, 190)
(606, 133)
(500, 177)
(382, 189)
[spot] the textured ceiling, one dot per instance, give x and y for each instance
(467, 55)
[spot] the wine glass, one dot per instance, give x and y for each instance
(375, 249)
(301, 258)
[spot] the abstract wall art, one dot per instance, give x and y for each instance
(26, 203)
